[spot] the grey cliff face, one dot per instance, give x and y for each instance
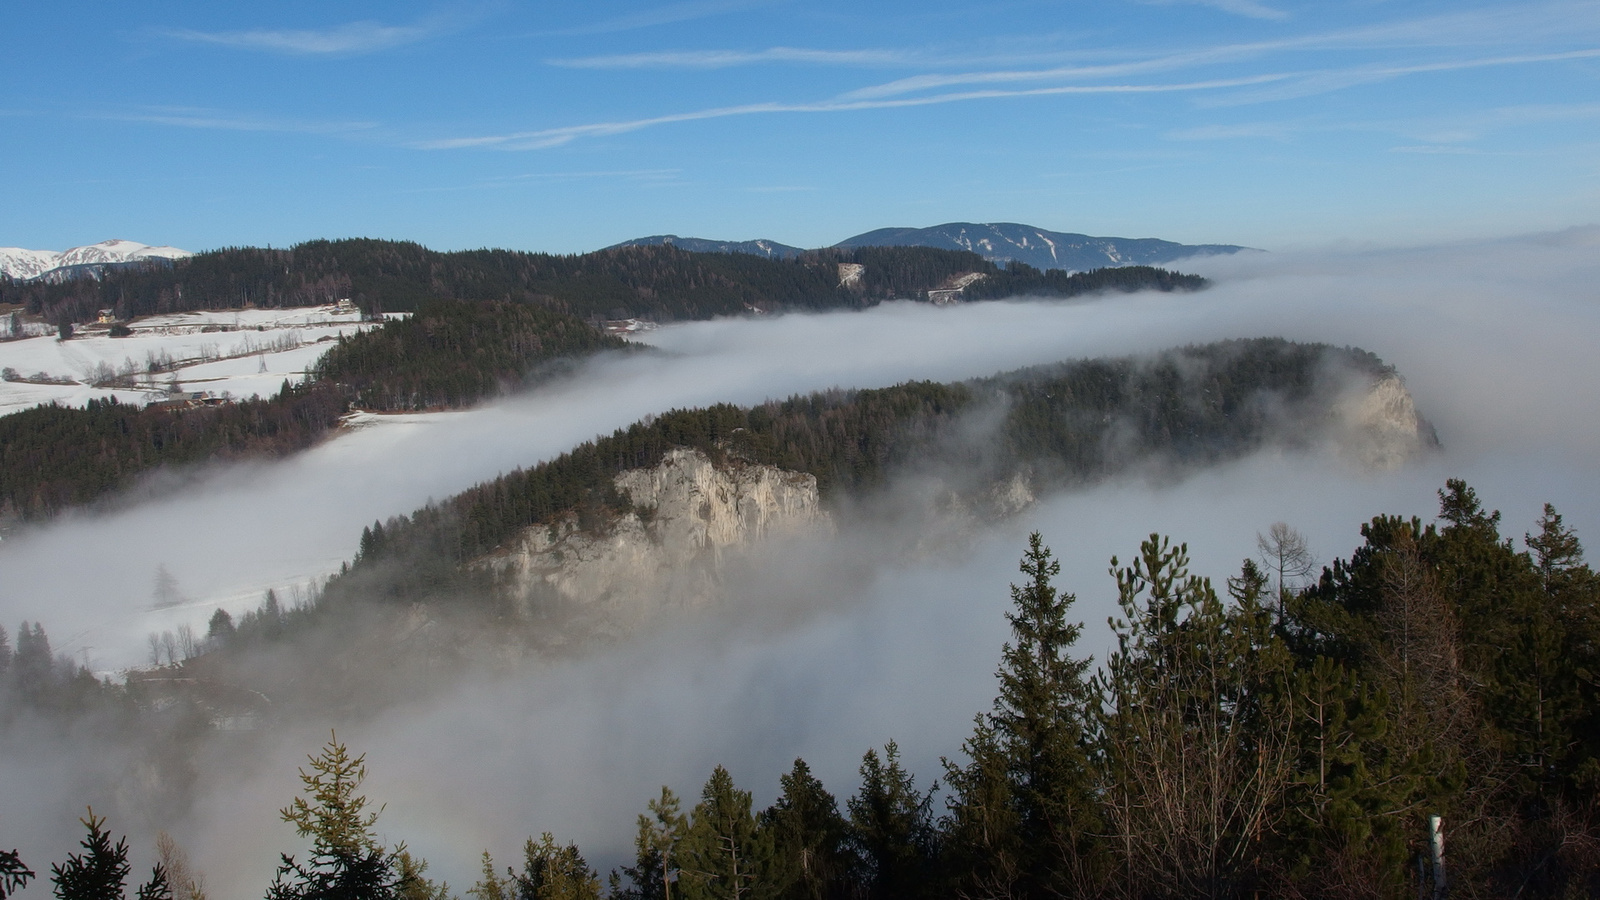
(695, 513)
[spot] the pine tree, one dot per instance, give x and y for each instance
(414, 883)
(490, 884)
(347, 862)
(157, 888)
(1194, 738)
(655, 850)
(1341, 830)
(220, 630)
(552, 871)
(32, 666)
(981, 849)
(101, 871)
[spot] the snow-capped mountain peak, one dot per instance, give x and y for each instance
(19, 263)
(24, 264)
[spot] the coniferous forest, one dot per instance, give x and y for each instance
(1245, 737)
(1268, 732)
(1061, 425)
(448, 355)
(661, 282)
(483, 323)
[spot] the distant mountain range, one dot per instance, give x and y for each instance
(87, 260)
(997, 242)
(769, 249)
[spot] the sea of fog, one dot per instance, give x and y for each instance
(845, 647)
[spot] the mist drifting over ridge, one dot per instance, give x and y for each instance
(1492, 339)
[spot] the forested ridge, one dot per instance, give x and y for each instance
(661, 283)
(446, 355)
(1060, 424)
(1255, 736)
(54, 457)
(483, 322)
(452, 354)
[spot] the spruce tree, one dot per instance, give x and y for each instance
(891, 823)
(1023, 812)
(810, 838)
(14, 876)
(724, 855)
(346, 862)
(552, 871)
(100, 872)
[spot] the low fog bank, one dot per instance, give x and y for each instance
(849, 644)
(823, 651)
(1492, 338)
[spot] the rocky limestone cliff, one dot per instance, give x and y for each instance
(691, 514)
(1378, 426)
(668, 555)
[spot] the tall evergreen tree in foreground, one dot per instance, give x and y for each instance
(811, 840)
(347, 862)
(655, 867)
(892, 823)
(100, 872)
(1023, 815)
(723, 853)
(14, 876)
(552, 871)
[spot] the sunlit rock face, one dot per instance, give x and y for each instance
(1378, 425)
(691, 513)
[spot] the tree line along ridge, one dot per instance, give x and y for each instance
(483, 323)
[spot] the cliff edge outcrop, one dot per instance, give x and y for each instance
(688, 514)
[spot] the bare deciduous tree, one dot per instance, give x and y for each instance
(1196, 744)
(1286, 554)
(186, 881)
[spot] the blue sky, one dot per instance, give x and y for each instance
(566, 127)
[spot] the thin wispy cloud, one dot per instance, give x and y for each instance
(349, 39)
(608, 173)
(649, 177)
(669, 14)
(1439, 135)
(1247, 8)
(1275, 131)
(555, 137)
(1267, 86)
(222, 120)
(1306, 84)
(725, 59)
(1479, 28)
(1437, 150)
(1458, 129)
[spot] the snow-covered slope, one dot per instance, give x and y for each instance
(22, 264)
(19, 263)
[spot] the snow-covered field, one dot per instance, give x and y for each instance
(234, 353)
